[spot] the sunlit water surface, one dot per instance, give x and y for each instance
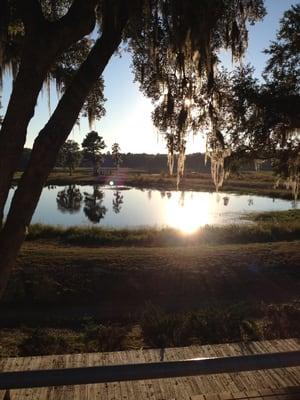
(130, 207)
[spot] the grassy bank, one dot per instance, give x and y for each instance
(91, 289)
(287, 218)
(202, 294)
(256, 183)
(268, 227)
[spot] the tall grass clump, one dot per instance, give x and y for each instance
(99, 337)
(41, 342)
(219, 324)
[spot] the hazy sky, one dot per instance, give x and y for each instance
(128, 112)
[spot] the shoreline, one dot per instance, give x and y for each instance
(252, 183)
(262, 227)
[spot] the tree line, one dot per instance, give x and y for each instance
(150, 163)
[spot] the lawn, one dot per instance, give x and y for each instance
(70, 293)
(94, 290)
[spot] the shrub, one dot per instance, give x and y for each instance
(104, 337)
(40, 342)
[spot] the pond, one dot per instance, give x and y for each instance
(127, 207)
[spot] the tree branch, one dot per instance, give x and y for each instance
(79, 20)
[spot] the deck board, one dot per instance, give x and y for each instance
(283, 383)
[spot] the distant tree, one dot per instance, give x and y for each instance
(116, 154)
(92, 145)
(69, 155)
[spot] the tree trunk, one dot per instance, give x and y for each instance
(35, 63)
(47, 146)
(14, 128)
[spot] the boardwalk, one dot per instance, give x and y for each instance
(270, 384)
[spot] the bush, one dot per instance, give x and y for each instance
(103, 337)
(40, 342)
(161, 329)
(281, 321)
(215, 324)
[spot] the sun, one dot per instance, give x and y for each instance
(189, 215)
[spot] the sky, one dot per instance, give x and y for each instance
(128, 112)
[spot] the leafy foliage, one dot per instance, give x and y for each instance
(92, 145)
(177, 75)
(116, 154)
(69, 156)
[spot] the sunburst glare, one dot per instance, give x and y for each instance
(187, 215)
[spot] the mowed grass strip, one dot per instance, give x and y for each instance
(125, 278)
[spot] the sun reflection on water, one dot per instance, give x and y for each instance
(189, 214)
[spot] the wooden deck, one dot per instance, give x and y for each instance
(269, 384)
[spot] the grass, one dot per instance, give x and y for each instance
(64, 299)
(268, 228)
(115, 282)
(91, 289)
(256, 183)
(157, 328)
(276, 217)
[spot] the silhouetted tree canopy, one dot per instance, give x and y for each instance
(69, 156)
(92, 146)
(116, 154)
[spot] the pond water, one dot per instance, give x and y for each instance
(126, 207)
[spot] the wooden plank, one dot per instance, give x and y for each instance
(181, 386)
(136, 357)
(276, 374)
(258, 377)
(193, 381)
(159, 386)
(163, 389)
(211, 385)
(250, 379)
(130, 389)
(227, 381)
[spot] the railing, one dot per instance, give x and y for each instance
(142, 371)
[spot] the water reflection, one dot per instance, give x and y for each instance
(114, 207)
(225, 200)
(69, 199)
(181, 199)
(94, 209)
(118, 200)
(188, 214)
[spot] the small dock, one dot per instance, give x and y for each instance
(271, 384)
